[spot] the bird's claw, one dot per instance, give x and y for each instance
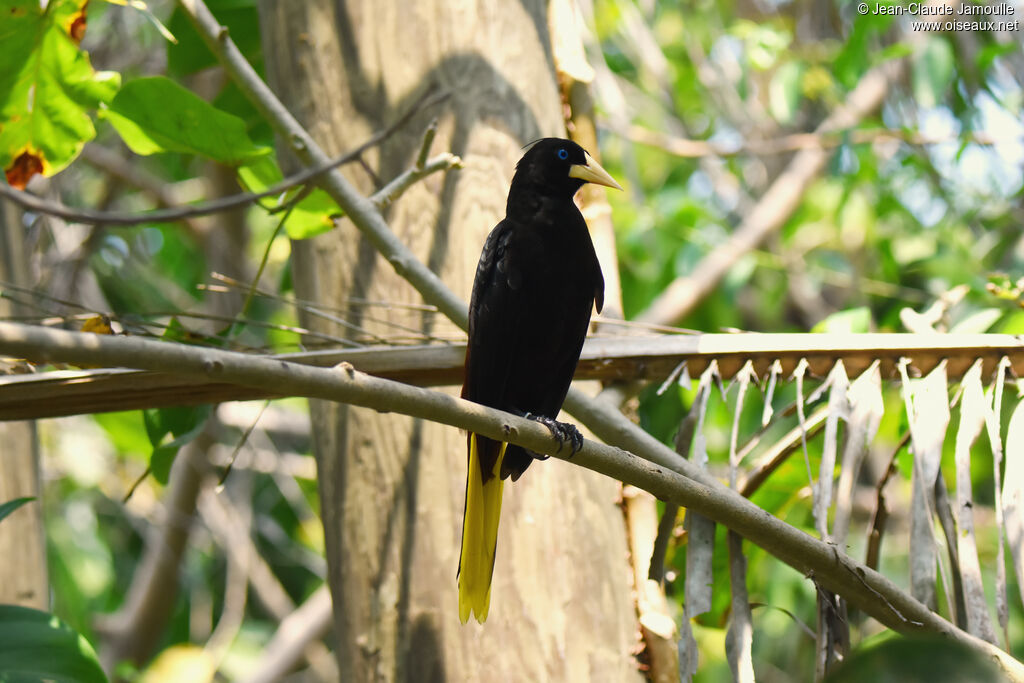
(562, 431)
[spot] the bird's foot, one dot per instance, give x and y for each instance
(562, 431)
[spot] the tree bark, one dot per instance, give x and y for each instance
(391, 487)
(24, 581)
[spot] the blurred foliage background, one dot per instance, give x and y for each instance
(898, 220)
(924, 197)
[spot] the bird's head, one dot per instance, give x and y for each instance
(560, 167)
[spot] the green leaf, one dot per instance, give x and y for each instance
(978, 322)
(764, 42)
(190, 54)
(785, 91)
(36, 646)
(914, 659)
(933, 71)
(183, 423)
(859, 50)
(897, 50)
(177, 332)
(125, 431)
(310, 217)
(990, 52)
(850, 321)
(48, 87)
(158, 115)
(12, 505)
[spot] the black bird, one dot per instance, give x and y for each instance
(536, 283)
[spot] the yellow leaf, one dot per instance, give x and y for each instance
(100, 324)
(181, 664)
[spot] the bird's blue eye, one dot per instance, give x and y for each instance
(562, 154)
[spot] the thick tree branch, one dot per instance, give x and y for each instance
(871, 592)
(651, 465)
(72, 392)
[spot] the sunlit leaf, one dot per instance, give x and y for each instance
(48, 87)
(994, 405)
(181, 664)
(977, 322)
(764, 42)
(126, 432)
(313, 215)
(156, 114)
(769, 393)
(851, 321)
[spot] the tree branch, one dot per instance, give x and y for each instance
(386, 196)
(71, 392)
(785, 144)
(31, 202)
(361, 210)
(870, 591)
(776, 205)
(654, 467)
(134, 630)
(297, 631)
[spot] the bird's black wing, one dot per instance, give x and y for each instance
(495, 313)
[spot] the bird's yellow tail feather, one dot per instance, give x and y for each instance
(479, 533)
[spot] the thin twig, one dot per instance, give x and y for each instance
(361, 210)
(881, 514)
(654, 468)
(707, 496)
(387, 195)
(295, 634)
(241, 443)
(31, 202)
(667, 523)
(779, 452)
(785, 144)
(775, 206)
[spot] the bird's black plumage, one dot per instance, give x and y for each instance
(536, 283)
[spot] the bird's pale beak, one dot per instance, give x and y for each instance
(591, 172)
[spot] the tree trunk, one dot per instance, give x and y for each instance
(24, 581)
(391, 487)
